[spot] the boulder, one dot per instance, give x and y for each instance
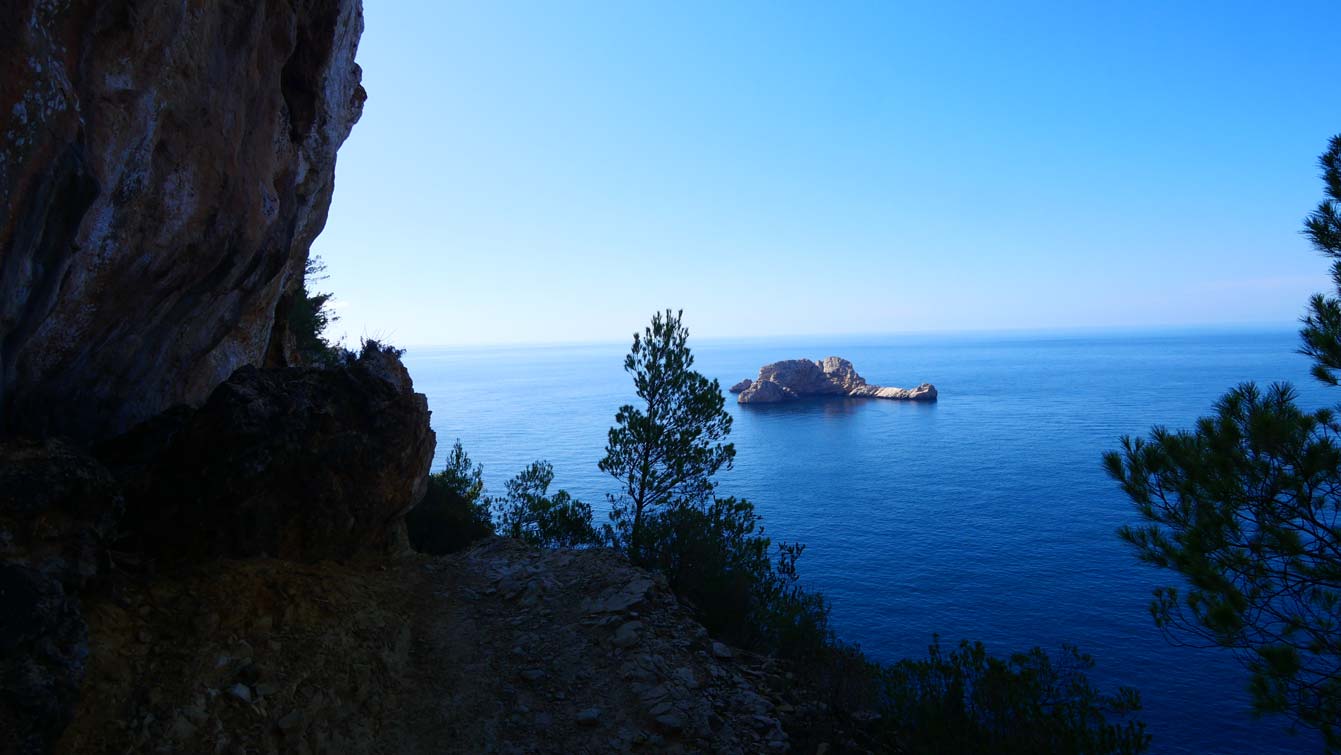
(794, 379)
(296, 463)
(766, 392)
(164, 168)
(841, 373)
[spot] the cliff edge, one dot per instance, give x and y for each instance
(164, 168)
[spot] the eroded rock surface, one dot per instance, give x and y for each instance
(164, 168)
(296, 463)
(794, 379)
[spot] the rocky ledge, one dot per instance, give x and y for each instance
(794, 379)
(504, 648)
(300, 465)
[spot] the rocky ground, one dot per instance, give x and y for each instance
(503, 648)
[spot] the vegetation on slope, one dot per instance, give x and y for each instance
(665, 454)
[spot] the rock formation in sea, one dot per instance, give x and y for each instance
(164, 168)
(795, 379)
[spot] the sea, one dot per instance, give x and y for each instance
(986, 515)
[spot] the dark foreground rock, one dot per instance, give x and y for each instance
(295, 463)
(502, 648)
(58, 509)
(795, 379)
(43, 651)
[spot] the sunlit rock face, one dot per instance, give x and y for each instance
(164, 168)
(794, 379)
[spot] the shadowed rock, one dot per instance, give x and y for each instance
(297, 463)
(795, 379)
(58, 506)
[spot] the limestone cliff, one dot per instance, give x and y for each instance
(164, 167)
(794, 379)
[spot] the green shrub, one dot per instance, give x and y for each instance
(972, 702)
(310, 315)
(718, 560)
(528, 512)
(454, 512)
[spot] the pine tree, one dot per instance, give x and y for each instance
(1246, 507)
(665, 452)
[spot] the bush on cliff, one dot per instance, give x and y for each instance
(529, 513)
(717, 558)
(454, 512)
(967, 701)
(310, 315)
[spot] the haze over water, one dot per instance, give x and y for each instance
(984, 516)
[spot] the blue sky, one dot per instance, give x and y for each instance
(546, 172)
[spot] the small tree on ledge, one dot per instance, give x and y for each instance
(664, 452)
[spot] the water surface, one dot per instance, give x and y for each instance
(986, 515)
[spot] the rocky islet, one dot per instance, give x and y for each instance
(795, 379)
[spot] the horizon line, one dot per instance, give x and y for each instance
(1055, 330)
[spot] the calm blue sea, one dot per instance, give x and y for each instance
(985, 516)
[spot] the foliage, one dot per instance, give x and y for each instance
(1246, 507)
(454, 512)
(528, 512)
(369, 346)
(667, 515)
(665, 453)
(1322, 325)
(717, 558)
(310, 315)
(972, 702)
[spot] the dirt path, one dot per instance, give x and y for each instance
(501, 649)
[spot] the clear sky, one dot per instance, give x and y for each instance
(553, 171)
